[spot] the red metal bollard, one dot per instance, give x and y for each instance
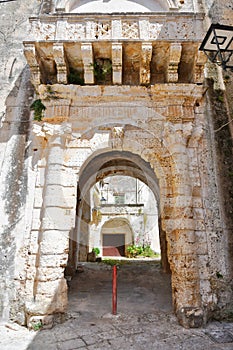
(114, 290)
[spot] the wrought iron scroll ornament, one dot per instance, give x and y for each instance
(218, 45)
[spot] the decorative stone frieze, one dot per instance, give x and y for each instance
(147, 27)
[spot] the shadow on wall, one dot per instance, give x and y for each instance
(15, 131)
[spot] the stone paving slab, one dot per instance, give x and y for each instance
(114, 333)
(88, 326)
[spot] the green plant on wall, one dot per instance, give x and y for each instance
(37, 326)
(38, 108)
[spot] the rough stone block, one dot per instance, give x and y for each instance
(54, 242)
(51, 287)
(60, 196)
(36, 222)
(38, 200)
(61, 177)
(33, 246)
(53, 260)
(40, 179)
(58, 219)
(190, 317)
(50, 273)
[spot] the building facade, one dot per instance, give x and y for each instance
(115, 88)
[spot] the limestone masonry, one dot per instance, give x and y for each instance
(94, 89)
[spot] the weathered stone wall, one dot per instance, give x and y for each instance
(219, 115)
(16, 174)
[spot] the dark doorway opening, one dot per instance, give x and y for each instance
(113, 244)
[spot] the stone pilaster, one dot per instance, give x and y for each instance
(174, 60)
(88, 62)
(55, 203)
(117, 63)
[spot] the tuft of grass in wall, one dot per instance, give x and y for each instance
(37, 326)
(38, 107)
(220, 98)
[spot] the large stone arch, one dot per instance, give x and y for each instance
(173, 191)
(90, 145)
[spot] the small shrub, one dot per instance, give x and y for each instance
(133, 251)
(38, 108)
(96, 251)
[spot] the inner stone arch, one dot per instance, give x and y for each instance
(97, 169)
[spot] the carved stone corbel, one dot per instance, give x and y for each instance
(117, 63)
(31, 56)
(199, 67)
(88, 62)
(174, 60)
(59, 57)
(146, 55)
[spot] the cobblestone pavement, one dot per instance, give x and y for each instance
(144, 320)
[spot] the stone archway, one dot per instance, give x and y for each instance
(155, 154)
(99, 167)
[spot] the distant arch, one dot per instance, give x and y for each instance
(116, 235)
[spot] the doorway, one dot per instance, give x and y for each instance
(113, 244)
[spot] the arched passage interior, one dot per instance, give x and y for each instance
(96, 169)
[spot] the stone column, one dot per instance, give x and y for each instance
(57, 219)
(179, 224)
